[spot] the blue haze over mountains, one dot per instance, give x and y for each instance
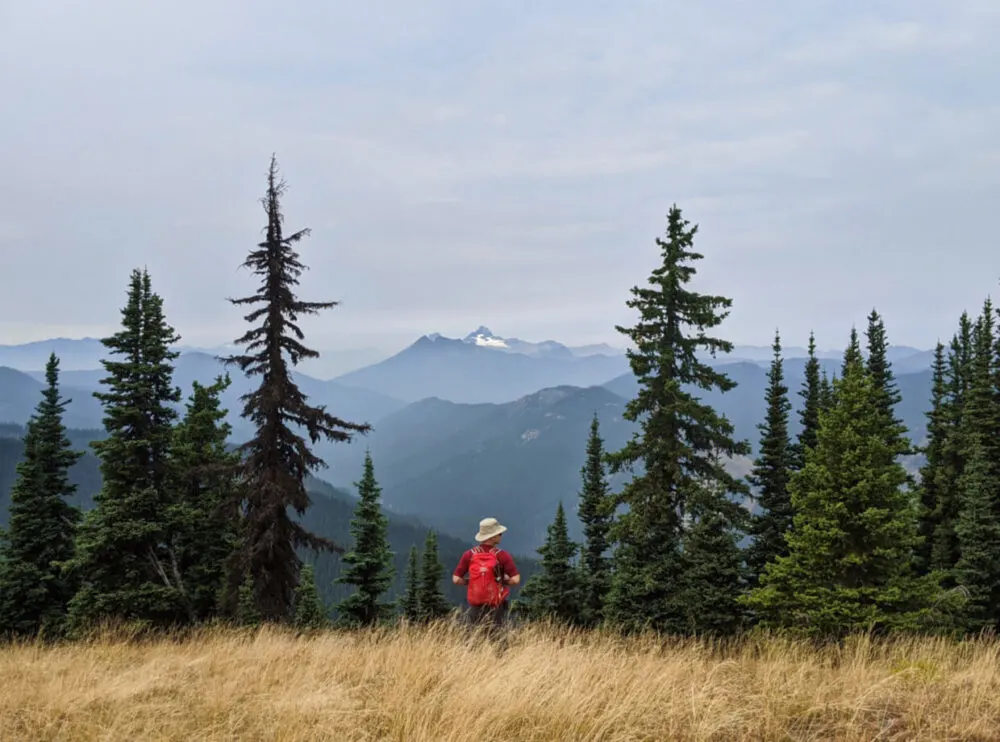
(463, 427)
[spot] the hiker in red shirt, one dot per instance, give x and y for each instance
(490, 572)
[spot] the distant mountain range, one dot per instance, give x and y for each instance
(469, 427)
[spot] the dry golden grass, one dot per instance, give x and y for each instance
(438, 686)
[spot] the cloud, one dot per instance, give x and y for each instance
(466, 164)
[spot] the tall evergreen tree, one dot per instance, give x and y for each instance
(33, 591)
(715, 576)
(433, 604)
(309, 610)
(849, 561)
(409, 604)
(556, 592)
(204, 518)
(935, 516)
(809, 414)
(368, 566)
(826, 392)
(124, 560)
(978, 524)
(277, 459)
(679, 441)
(887, 394)
(771, 472)
(852, 354)
(595, 513)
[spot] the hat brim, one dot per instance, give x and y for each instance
(480, 537)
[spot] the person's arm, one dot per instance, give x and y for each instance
(511, 575)
(458, 576)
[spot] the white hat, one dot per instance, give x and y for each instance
(488, 528)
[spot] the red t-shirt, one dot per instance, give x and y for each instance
(505, 560)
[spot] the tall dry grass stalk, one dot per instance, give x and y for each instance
(437, 686)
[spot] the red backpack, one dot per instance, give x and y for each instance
(486, 578)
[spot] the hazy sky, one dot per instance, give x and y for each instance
(507, 164)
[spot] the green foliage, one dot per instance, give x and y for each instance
(937, 508)
(246, 610)
(771, 472)
(204, 520)
(978, 525)
(714, 574)
(556, 592)
(431, 600)
(886, 394)
(854, 530)
(596, 514)
(309, 610)
(34, 593)
(810, 393)
(277, 459)
(368, 567)
(409, 604)
(679, 443)
(124, 563)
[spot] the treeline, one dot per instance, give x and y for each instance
(840, 538)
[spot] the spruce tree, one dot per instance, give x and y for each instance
(34, 592)
(555, 593)
(715, 576)
(826, 392)
(204, 520)
(595, 513)
(978, 524)
(887, 395)
(935, 518)
(679, 441)
(809, 414)
(368, 566)
(309, 610)
(849, 562)
(124, 560)
(433, 604)
(277, 459)
(409, 604)
(771, 472)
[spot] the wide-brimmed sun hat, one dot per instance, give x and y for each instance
(488, 528)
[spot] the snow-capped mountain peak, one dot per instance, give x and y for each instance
(482, 336)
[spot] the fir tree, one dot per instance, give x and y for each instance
(715, 577)
(935, 516)
(849, 561)
(887, 395)
(204, 519)
(124, 561)
(368, 567)
(309, 611)
(852, 354)
(33, 591)
(409, 604)
(978, 525)
(771, 471)
(555, 593)
(826, 392)
(433, 604)
(277, 459)
(595, 513)
(679, 441)
(809, 414)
